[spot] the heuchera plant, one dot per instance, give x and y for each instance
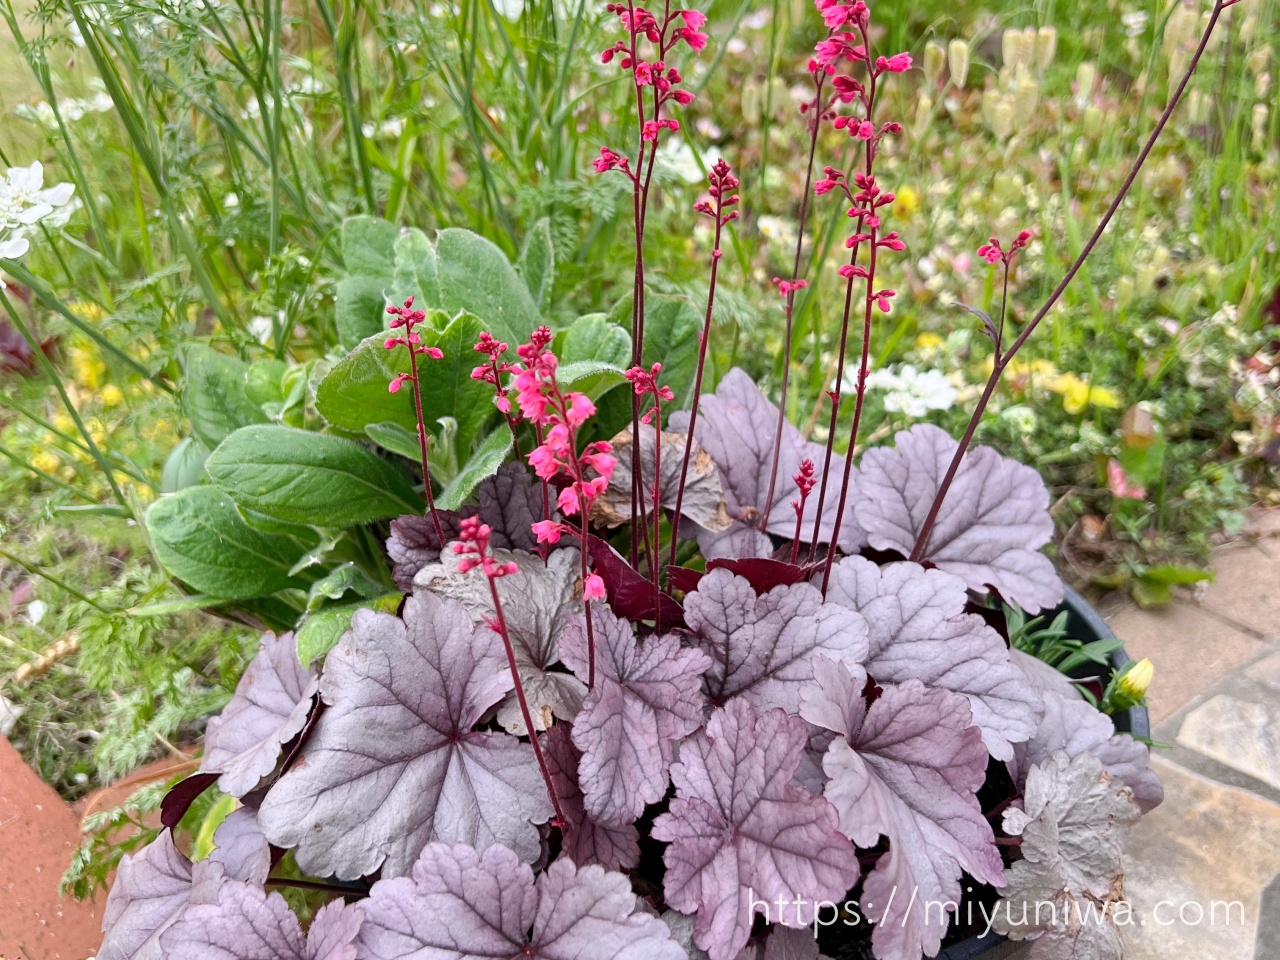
(557, 748)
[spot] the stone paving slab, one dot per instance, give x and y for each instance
(1192, 650)
(1246, 590)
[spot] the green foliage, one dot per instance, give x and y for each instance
(215, 398)
(202, 539)
(309, 478)
(484, 462)
(1049, 641)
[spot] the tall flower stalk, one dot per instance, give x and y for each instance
(406, 318)
(559, 414)
(473, 547)
(645, 383)
(1001, 360)
(721, 181)
(675, 27)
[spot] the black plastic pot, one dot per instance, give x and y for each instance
(1083, 623)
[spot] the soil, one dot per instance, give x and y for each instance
(38, 833)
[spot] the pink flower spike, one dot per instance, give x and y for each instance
(1121, 487)
(693, 19)
(547, 531)
(580, 409)
(593, 588)
(898, 63)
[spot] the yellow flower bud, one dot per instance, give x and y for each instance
(935, 58)
(1137, 679)
(958, 62)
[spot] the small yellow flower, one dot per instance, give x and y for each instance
(928, 341)
(46, 461)
(87, 310)
(111, 395)
(1137, 679)
(907, 202)
(86, 368)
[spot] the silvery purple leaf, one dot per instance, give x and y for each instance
(394, 763)
(585, 841)
(992, 524)
(247, 923)
(1072, 727)
(1074, 824)
(741, 833)
(510, 503)
(154, 886)
(647, 697)
(270, 707)
(536, 603)
(736, 426)
(919, 630)
(762, 647)
(461, 904)
(909, 768)
(703, 501)
(413, 544)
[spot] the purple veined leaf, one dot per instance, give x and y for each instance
(703, 502)
(1064, 892)
(245, 922)
(1071, 726)
(413, 543)
(742, 835)
(461, 904)
(394, 763)
(919, 630)
(509, 502)
(630, 595)
(270, 707)
(763, 647)
(765, 573)
(908, 767)
(536, 603)
(648, 696)
(154, 886)
(736, 426)
(585, 841)
(991, 526)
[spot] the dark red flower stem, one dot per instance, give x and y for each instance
(815, 125)
(1001, 362)
(422, 443)
(501, 619)
(860, 387)
(703, 339)
(657, 497)
(584, 509)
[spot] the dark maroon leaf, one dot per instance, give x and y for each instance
(413, 543)
(631, 596)
(764, 573)
(683, 579)
(585, 841)
(178, 800)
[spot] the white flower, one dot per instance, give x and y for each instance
(678, 158)
(24, 202)
(908, 390)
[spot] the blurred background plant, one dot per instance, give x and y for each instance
(205, 153)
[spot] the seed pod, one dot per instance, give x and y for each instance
(1197, 108)
(1261, 114)
(1046, 46)
(935, 58)
(1093, 121)
(1002, 118)
(1086, 79)
(958, 62)
(1026, 94)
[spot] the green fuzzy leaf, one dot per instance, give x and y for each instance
(671, 327)
(321, 630)
(184, 466)
(417, 272)
(368, 246)
(340, 580)
(360, 308)
(263, 381)
(354, 393)
(200, 538)
(484, 463)
(214, 397)
(537, 264)
(596, 338)
(393, 437)
(309, 478)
